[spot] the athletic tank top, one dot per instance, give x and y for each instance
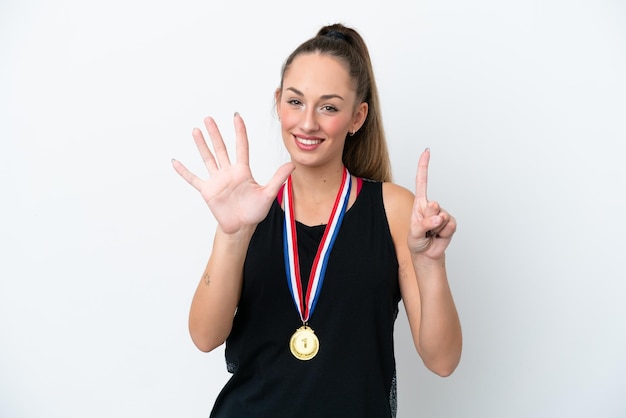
(353, 374)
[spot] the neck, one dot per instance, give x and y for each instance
(312, 183)
(314, 193)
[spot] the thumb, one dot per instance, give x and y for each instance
(279, 178)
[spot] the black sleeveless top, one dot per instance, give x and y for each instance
(353, 374)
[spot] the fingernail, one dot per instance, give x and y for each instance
(236, 114)
(427, 149)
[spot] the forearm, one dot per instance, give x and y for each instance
(217, 295)
(440, 337)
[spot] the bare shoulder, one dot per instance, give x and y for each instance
(398, 201)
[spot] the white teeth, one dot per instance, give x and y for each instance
(309, 141)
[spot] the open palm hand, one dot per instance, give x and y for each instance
(233, 196)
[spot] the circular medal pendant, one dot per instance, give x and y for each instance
(304, 344)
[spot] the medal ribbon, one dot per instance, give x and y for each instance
(306, 305)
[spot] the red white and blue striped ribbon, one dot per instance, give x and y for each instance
(307, 304)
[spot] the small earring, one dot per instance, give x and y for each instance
(351, 133)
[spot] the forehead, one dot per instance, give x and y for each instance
(318, 72)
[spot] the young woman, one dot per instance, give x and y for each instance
(306, 272)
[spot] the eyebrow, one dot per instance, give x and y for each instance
(323, 97)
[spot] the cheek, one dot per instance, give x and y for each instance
(288, 123)
(336, 127)
(288, 118)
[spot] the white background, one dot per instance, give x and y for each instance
(523, 104)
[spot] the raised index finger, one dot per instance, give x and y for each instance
(421, 180)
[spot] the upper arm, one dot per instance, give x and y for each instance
(398, 203)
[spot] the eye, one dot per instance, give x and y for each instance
(329, 108)
(294, 102)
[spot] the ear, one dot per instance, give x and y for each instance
(277, 96)
(359, 116)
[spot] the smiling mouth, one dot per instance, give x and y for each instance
(307, 141)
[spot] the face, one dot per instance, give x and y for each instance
(317, 108)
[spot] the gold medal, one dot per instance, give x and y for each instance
(304, 344)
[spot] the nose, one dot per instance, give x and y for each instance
(310, 123)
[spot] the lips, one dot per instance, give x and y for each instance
(305, 141)
(308, 142)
